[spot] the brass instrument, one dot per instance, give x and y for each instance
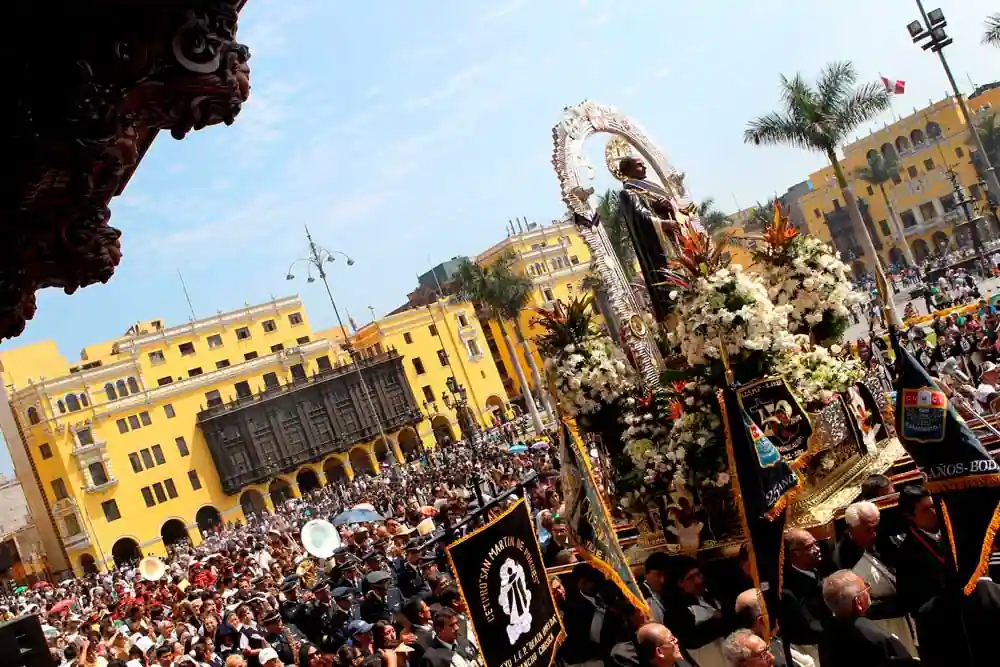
(306, 572)
(295, 644)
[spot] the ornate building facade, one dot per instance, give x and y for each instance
(930, 144)
(167, 431)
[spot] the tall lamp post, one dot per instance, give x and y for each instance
(931, 36)
(316, 259)
(457, 397)
(971, 217)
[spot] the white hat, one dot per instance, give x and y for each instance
(267, 655)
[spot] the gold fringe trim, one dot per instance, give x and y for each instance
(751, 553)
(983, 566)
(592, 558)
(537, 551)
(957, 484)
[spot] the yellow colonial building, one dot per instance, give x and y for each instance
(929, 144)
(557, 260)
(167, 431)
(445, 360)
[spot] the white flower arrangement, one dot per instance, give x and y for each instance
(817, 374)
(734, 309)
(813, 281)
(590, 375)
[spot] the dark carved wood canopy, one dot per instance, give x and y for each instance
(87, 86)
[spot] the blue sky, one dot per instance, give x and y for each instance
(405, 133)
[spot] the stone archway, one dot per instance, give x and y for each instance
(126, 550)
(252, 502)
(897, 257)
(381, 449)
(280, 491)
(940, 241)
(173, 531)
(409, 444)
(858, 268)
(308, 480)
(333, 470)
(207, 518)
(442, 430)
(921, 251)
(88, 564)
(361, 462)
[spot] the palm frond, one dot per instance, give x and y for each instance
(992, 34)
(861, 106)
(776, 128)
(881, 168)
(836, 80)
(565, 325)
(614, 226)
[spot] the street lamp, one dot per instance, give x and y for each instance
(971, 217)
(317, 257)
(932, 37)
(457, 397)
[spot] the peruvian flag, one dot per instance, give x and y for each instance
(893, 86)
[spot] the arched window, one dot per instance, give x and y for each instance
(98, 474)
(917, 137)
(133, 386)
(933, 130)
(902, 144)
(72, 402)
(33, 415)
(888, 151)
(120, 385)
(62, 407)
(84, 401)
(109, 389)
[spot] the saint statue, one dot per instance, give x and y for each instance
(652, 219)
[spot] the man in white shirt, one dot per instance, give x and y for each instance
(987, 385)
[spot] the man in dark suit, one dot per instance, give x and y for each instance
(802, 608)
(849, 639)
(557, 543)
(592, 629)
(951, 626)
(421, 631)
(920, 561)
(447, 644)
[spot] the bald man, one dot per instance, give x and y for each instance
(656, 646)
(803, 609)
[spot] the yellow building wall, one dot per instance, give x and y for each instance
(454, 325)
(128, 425)
(557, 260)
(923, 177)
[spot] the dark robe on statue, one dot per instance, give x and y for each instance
(636, 203)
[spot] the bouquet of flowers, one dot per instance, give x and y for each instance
(818, 373)
(730, 312)
(808, 275)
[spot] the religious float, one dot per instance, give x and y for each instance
(642, 389)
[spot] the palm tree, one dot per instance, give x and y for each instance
(711, 217)
(820, 118)
(989, 133)
(591, 283)
(992, 34)
(503, 293)
(880, 170)
(614, 226)
(761, 215)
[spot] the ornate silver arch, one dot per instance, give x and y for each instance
(577, 124)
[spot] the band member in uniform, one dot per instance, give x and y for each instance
(350, 577)
(286, 640)
(375, 606)
(409, 578)
(315, 617)
(343, 613)
(290, 607)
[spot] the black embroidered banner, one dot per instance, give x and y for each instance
(501, 578)
(961, 474)
(772, 406)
